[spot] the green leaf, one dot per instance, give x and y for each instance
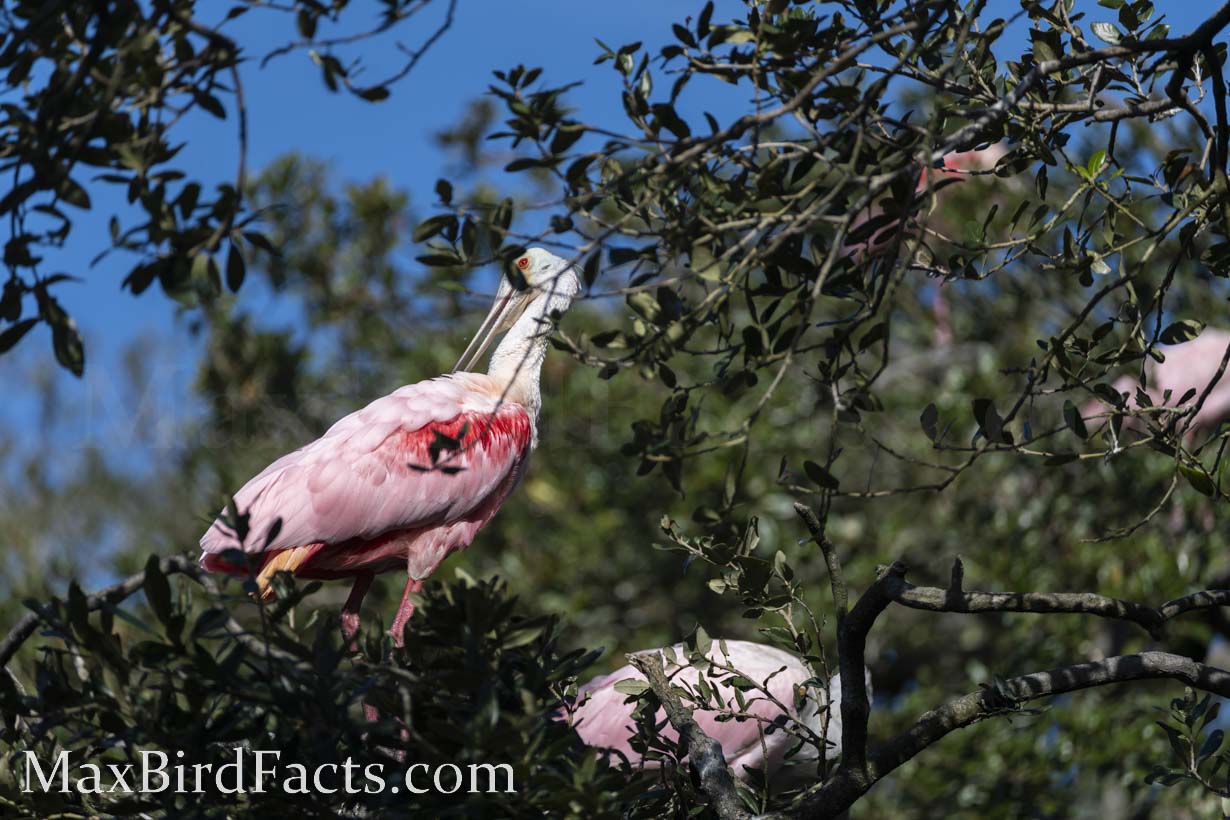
(1201, 481)
(438, 260)
(1106, 32)
(1072, 417)
(1096, 162)
(1181, 331)
(589, 269)
(432, 226)
(522, 163)
(10, 301)
(66, 341)
(375, 93)
(157, 589)
(702, 22)
(565, 137)
(12, 335)
(631, 686)
(929, 420)
(1047, 44)
(820, 476)
(990, 424)
(261, 241)
(78, 609)
(1212, 743)
(444, 190)
(703, 642)
(236, 269)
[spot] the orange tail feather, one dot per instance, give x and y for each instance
(288, 560)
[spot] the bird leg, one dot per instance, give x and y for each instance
(404, 611)
(350, 609)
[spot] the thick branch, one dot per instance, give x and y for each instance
(835, 796)
(956, 599)
(704, 753)
(851, 649)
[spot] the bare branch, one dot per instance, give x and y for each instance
(956, 599)
(851, 649)
(835, 796)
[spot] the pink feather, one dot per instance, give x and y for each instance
(1190, 366)
(604, 721)
(367, 491)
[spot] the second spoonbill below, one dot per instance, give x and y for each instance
(785, 695)
(413, 476)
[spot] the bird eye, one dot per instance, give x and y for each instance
(523, 262)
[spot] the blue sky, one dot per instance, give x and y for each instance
(290, 110)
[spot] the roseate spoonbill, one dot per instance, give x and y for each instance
(957, 165)
(604, 721)
(1189, 366)
(413, 476)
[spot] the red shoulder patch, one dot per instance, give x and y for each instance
(506, 432)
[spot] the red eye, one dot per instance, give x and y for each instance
(523, 262)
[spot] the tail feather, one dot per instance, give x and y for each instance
(289, 560)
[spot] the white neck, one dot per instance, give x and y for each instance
(516, 364)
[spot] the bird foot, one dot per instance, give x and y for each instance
(350, 609)
(350, 628)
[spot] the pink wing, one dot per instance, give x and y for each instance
(372, 472)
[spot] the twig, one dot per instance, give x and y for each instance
(114, 594)
(117, 593)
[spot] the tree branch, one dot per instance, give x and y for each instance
(956, 599)
(113, 594)
(859, 772)
(835, 796)
(704, 753)
(117, 593)
(851, 649)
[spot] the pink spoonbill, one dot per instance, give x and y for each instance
(413, 476)
(786, 695)
(1190, 368)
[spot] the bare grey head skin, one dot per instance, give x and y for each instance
(528, 316)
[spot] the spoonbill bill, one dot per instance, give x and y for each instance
(413, 476)
(784, 703)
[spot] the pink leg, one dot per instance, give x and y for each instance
(404, 611)
(397, 630)
(350, 610)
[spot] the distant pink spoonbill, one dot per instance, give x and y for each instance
(1188, 371)
(413, 476)
(789, 697)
